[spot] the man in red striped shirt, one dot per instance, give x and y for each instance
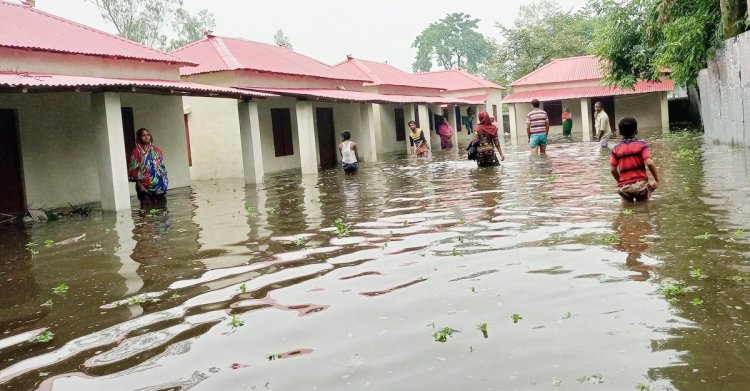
(537, 128)
(629, 160)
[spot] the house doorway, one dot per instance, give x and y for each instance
(326, 136)
(398, 114)
(12, 195)
(608, 105)
(128, 130)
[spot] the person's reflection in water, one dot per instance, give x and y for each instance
(633, 228)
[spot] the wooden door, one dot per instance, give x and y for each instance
(326, 136)
(398, 114)
(459, 123)
(12, 195)
(128, 130)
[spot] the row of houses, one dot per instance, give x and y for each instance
(71, 98)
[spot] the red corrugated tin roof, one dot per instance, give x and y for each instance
(382, 74)
(563, 70)
(643, 87)
(216, 54)
(456, 80)
(30, 82)
(356, 96)
(25, 27)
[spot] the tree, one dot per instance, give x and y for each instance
(452, 42)
(541, 32)
(190, 28)
(143, 21)
(639, 38)
(282, 40)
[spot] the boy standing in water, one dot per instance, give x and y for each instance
(348, 150)
(629, 160)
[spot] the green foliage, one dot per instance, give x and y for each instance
(595, 378)
(673, 290)
(60, 289)
(704, 236)
(611, 238)
(740, 232)
(282, 40)
(144, 21)
(452, 42)
(541, 32)
(270, 210)
(43, 337)
(696, 273)
(236, 322)
(342, 229)
(48, 243)
(697, 301)
(483, 328)
(47, 303)
(642, 387)
(243, 288)
(135, 300)
(516, 317)
(627, 212)
(739, 279)
(250, 211)
(443, 334)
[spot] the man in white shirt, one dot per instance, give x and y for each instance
(601, 124)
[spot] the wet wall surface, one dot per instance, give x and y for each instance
(533, 274)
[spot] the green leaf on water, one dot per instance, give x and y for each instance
(705, 236)
(696, 273)
(567, 315)
(739, 279)
(443, 334)
(243, 288)
(697, 301)
(153, 212)
(236, 322)
(250, 211)
(47, 303)
(595, 378)
(516, 317)
(673, 290)
(60, 289)
(611, 238)
(43, 337)
(642, 387)
(300, 242)
(627, 212)
(135, 300)
(342, 229)
(740, 232)
(48, 243)
(483, 328)
(270, 210)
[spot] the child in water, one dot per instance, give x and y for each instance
(348, 150)
(629, 160)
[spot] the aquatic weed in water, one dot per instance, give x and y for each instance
(642, 387)
(443, 334)
(673, 290)
(696, 273)
(627, 212)
(567, 315)
(236, 322)
(705, 236)
(48, 243)
(740, 232)
(271, 210)
(595, 378)
(611, 238)
(300, 242)
(483, 328)
(697, 301)
(516, 317)
(342, 229)
(250, 211)
(739, 279)
(47, 303)
(243, 288)
(136, 300)
(43, 337)
(60, 289)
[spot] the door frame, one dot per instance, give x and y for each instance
(333, 149)
(21, 176)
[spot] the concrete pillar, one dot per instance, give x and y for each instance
(452, 121)
(110, 152)
(586, 119)
(252, 156)
(478, 109)
(377, 120)
(424, 122)
(367, 139)
(513, 124)
(408, 117)
(308, 152)
(434, 138)
(665, 112)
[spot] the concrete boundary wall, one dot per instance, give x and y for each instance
(725, 93)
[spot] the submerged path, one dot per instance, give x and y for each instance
(532, 273)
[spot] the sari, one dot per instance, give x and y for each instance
(567, 118)
(486, 142)
(446, 132)
(146, 167)
(419, 142)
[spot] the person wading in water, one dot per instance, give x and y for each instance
(348, 150)
(146, 168)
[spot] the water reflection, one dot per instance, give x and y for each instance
(434, 243)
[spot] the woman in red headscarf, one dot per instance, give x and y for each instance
(485, 138)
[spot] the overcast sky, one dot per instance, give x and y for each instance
(328, 30)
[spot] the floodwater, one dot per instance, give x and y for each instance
(433, 243)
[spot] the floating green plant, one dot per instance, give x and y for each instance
(60, 289)
(250, 211)
(705, 236)
(595, 378)
(47, 303)
(48, 243)
(342, 229)
(696, 273)
(443, 334)
(697, 301)
(740, 232)
(236, 322)
(642, 387)
(153, 212)
(270, 210)
(457, 253)
(627, 212)
(551, 178)
(175, 296)
(97, 247)
(135, 300)
(483, 328)
(673, 290)
(243, 288)
(516, 317)
(300, 242)
(461, 220)
(406, 222)
(611, 238)
(567, 315)
(181, 230)
(43, 337)
(739, 279)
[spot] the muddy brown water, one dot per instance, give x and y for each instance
(434, 243)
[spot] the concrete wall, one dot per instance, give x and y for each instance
(58, 153)
(245, 78)
(645, 108)
(725, 93)
(80, 65)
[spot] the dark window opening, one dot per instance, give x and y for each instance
(554, 112)
(281, 122)
(398, 113)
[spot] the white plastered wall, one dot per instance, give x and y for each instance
(57, 149)
(214, 138)
(645, 108)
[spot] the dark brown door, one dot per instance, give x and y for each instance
(326, 136)
(12, 197)
(608, 105)
(128, 130)
(398, 114)
(459, 121)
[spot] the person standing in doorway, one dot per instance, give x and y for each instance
(348, 150)
(146, 168)
(418, 142)
(601, 124)
(537, 128)
(567, 122)
(446, 132)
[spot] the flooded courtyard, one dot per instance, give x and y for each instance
(438, 276)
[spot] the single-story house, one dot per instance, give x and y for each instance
(299, 129)
(577, 83)
(71, 98)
